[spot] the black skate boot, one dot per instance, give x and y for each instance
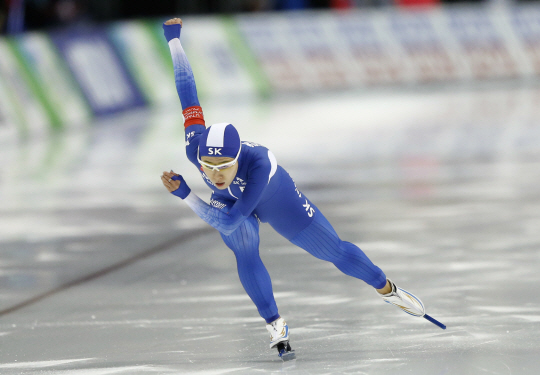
(285, 351)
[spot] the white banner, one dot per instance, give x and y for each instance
(369, 56)
(425, 54)
(218, 70)
(482, 44)
(282, 63)
(317, 50)
(525, 24)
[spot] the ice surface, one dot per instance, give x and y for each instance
(438, 186)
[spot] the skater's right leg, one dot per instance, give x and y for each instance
(244, 242)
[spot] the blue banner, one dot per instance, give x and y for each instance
(98, 69)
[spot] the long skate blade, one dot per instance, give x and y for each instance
(434, 321)
(287, 356)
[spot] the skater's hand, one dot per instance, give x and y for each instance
(168, 182)
(172, 28)
(174, 21)
(175, 184)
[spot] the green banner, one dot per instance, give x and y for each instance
(31, 116)
(51, 80)
(246, 57)
(138, 47)
(8, 115)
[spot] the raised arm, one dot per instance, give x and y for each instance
(186, 88)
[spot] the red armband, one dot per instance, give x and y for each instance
(193, 115)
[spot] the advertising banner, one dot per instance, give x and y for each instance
(105, 71)
(482, 44)
(245, 56)
(31, 115)
(312, 50)
(55, 83)
(271, 45)
(370, 57)
(137, 45)
(99, 71)
(424, 51)
(8, 117)
(524, 21)
(322, 63)
(219, 72)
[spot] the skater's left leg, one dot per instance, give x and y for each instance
(321, 240)
(296, 218)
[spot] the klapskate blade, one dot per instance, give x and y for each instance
(288, 356)
(434, 321)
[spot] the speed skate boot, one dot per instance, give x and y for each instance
(406, 301)
(279, 338)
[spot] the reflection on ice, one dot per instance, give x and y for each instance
(41, 364)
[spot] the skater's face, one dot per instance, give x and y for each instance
(222, 178)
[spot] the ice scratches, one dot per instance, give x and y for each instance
(215, 288)
(285, 294)
(116, 370)
(530, 318)
(217, 372)
(508, 309)
(323, 300)
(145, 322)
(226, 298)
(41, 364)
(468, 266)
(385, 246)
(215, 298)
(326, 337)
(203, 338)
(44, 229)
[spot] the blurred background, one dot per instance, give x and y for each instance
(412, 124)
(18, 15)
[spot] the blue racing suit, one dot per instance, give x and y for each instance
(261, 191)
